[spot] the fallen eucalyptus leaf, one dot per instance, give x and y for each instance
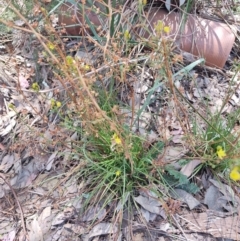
(94, 213)
(103, 229)
(185, 197)
(7, 162)
(50, 161)
(212, 197)
(151, 204)
(148, 215)
(188, 169)
(9, 236)
(35, 233)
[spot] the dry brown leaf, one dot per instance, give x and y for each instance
(103, 229)
(185, 197)
(188, 169)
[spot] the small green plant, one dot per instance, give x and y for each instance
(217, 144)
(117, 165)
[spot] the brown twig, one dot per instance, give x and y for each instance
(32, 91)
(19, 205)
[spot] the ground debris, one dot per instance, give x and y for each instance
(209, 223)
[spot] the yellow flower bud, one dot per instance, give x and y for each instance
(159, 27)
(127, 35)
(35, 86)
(43, 10)
(166, 29)
(86, 67)
(51, 46)
(69, 60)
(118, 173)
(11, 106)
(53, 102)
(58, 104)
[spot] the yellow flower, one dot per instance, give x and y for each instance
(35, 86)
(69, 60)
(166, 29)
(116, 144)
(45, 54)
(127, 35)
(11, 106)
(159, 26)
(86, 67)
(44, 10)
(234, 174)
(51, 46)
(53, 102)
(118, 173)
(58, 104)
(116, 139)
(144, 2)
(220, 152)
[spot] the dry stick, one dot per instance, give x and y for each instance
(81, 78)
(108, 34)
(113, 65)
(171, 79)
(20, 207)
(179, 226)
(32, 91)
(11, 25)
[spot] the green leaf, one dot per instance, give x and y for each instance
(189, 67)
(182, 179)
(183, 162)
(114, 23)
(92, 27)
(179, 180)
(155, 150)
(189, 187)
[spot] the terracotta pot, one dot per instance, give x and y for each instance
(203, 38)
(72, 19)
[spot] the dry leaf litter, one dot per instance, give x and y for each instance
(51, 200)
